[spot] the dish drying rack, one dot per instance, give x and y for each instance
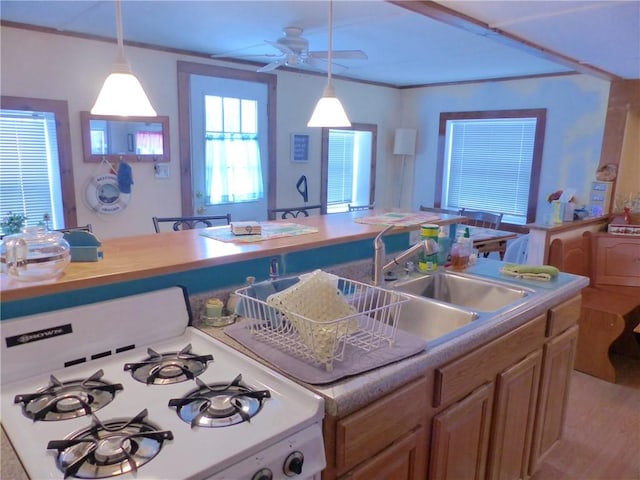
(319, 316)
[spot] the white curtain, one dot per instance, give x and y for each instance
(233, 168)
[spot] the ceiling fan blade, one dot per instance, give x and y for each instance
(283, 48)
(356, 54)
(320, 64)
(271, 66)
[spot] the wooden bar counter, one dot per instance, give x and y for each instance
(168, 255)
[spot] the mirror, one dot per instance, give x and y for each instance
(133, 139)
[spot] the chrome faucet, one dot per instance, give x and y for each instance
(429, 246)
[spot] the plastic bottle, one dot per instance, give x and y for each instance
(428, 263)
(460, 253)
(444, 246)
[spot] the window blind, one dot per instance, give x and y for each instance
(489, 165)
(340, 167)
(29, 173)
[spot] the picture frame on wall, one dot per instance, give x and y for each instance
(300, 147)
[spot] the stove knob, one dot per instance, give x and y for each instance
(293, 464)
(264, 474)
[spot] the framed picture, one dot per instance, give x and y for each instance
(299, 147)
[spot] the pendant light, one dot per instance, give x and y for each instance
(329, 112)
(121, 93)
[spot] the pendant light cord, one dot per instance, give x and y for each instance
(121, 57)
(330, 40)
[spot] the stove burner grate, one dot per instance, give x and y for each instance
(219, 405)
(108, 449)
(167, 368)
(65, 400)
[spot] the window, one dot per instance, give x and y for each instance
(348, 166)
(233, 171)
(35, 163)
(491, 161)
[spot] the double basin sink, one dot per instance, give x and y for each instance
(446, 301)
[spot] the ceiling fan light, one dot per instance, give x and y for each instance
(329, 111)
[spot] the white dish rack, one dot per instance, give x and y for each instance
(321, 314)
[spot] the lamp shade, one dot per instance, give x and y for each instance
(122, 94)
(329, 111)
(405, 141)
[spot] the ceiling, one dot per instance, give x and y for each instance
(407, 42)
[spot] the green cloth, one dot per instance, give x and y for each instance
(530, 272)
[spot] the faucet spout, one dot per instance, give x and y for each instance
(429, 246)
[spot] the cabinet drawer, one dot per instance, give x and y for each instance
(458, 378)
(363, 434)
(564, 316)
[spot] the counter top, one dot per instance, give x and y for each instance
(350, 394)
(146, 256)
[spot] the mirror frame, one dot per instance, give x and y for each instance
(86, 117)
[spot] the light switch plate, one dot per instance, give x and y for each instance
(161, 170)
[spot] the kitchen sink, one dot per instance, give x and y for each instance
(430, 319)
(462, 290)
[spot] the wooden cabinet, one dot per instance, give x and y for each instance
(500, 408)
(515, 408)
(460, 437)
(388, 436)
(557, 364)
(488, 433)
(493, 413)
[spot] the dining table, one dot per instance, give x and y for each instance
(487, 240)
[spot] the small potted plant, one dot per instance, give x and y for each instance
(12, 223)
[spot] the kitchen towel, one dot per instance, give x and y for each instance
(530, 272)
(355, 359)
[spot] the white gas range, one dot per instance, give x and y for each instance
(125, 389)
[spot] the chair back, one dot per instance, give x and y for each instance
(292, 212)
(357, 208)
(439, 210)
(482, 219)
(190, 223)
(517, 250)
(83, 228)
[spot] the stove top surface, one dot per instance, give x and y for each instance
(193, 451)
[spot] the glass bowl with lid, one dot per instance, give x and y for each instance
(35, 254)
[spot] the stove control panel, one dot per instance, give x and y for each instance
(299, 456)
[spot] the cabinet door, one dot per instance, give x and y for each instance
(557, 364)
(460, 437)
(403, 460)
(514, 413)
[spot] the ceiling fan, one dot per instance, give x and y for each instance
(294, 52)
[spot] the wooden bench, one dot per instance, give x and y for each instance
(611, 304)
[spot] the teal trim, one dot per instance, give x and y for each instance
(207, 279)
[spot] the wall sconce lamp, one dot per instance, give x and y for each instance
(329, 112)
(121, 93)
(404, 143)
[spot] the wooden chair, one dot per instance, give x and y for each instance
(482, 219)
(490, 220)
(357, 208)
(439, 210)
(83, 228)
(293, 212)
(189, 223)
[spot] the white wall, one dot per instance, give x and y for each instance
(40, 65)
(576, 109)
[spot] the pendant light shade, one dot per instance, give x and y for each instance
(122, 94)
(329, 111)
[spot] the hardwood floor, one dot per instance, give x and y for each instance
(601, 439)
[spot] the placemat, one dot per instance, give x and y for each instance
(355, 359)
(269, 232)
(401, 219)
